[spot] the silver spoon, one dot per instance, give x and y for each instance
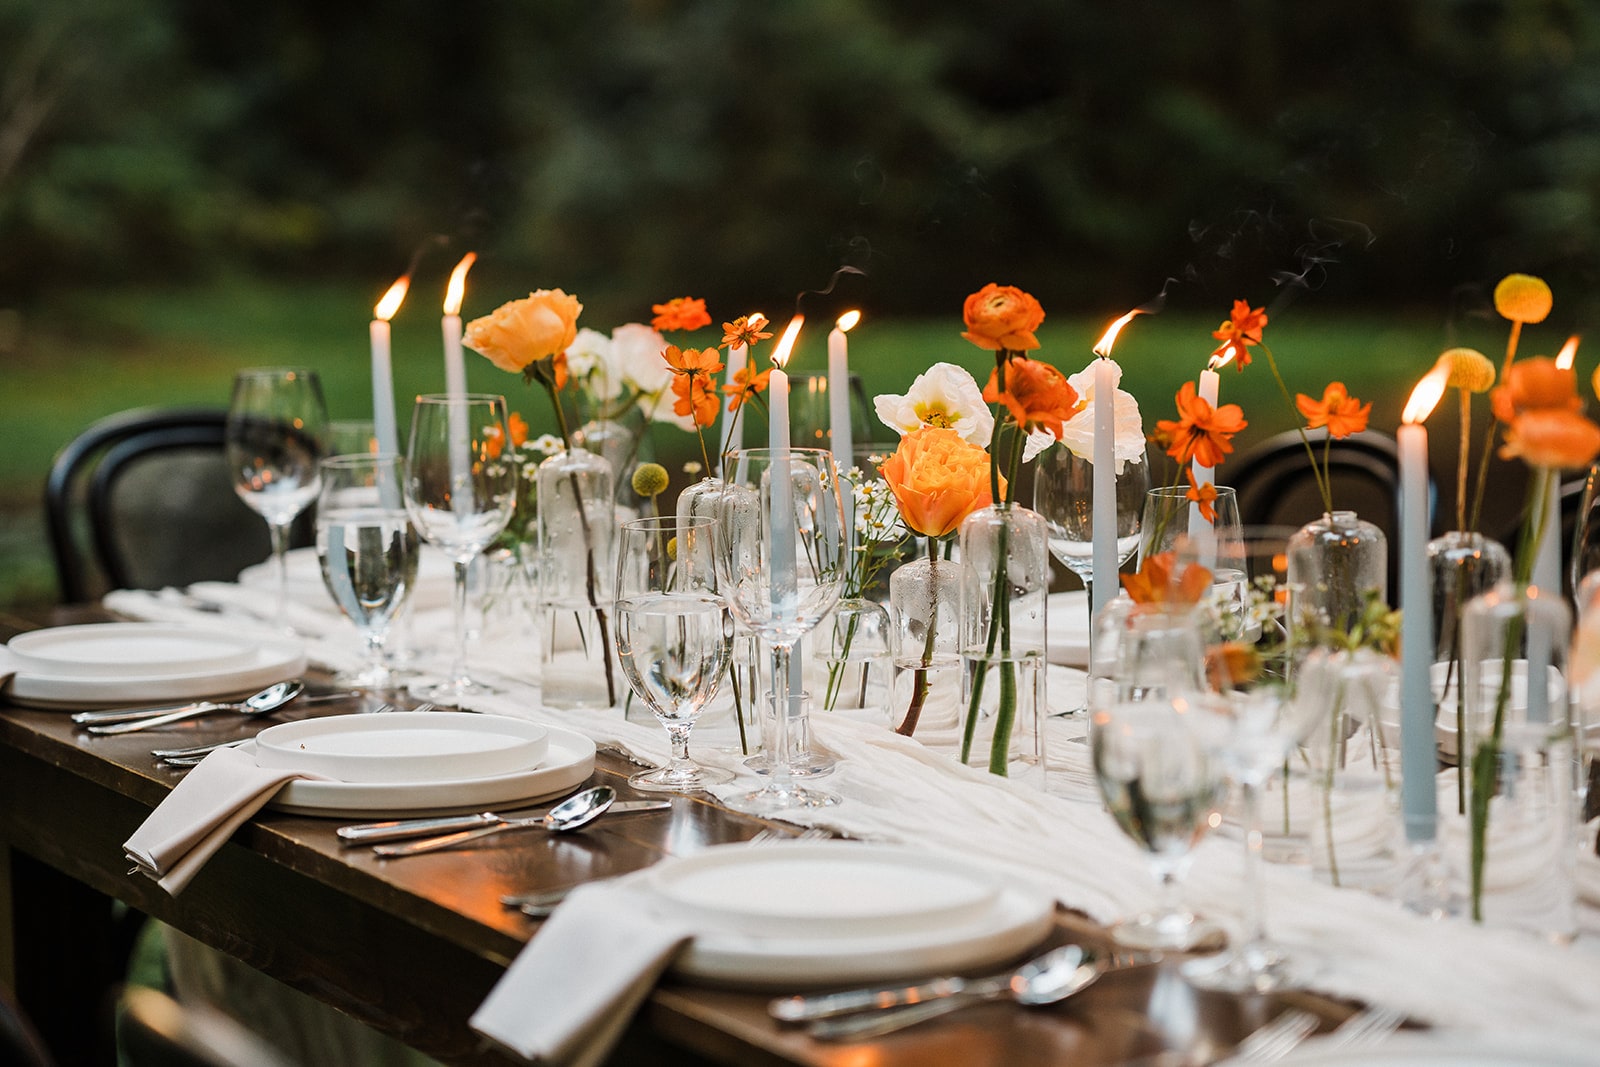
(576, 811)
(1056, 975)
(271, 698)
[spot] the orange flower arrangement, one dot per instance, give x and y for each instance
(680, 313)
(1201, 433)
(1002, 318)
(1241, 329)
(694, 385)
(937, 479)
(1036, 394)
(1159, 584)
(1539, 403)
(1340, 412)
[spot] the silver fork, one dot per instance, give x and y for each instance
(1364, 1029)
(1276, 1039)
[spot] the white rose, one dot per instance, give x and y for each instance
(636, 354)
(943, 395)
(1128, 428)
(589, 361)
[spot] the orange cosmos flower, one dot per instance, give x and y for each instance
(1239, 330)
(680, 313)
(1158, 585)
(938, 479)
(1036, 394)
(492, 443)
(744, 330)
(1201, 434)
(1552, 437)
(1535, 384)
(1002, 318)
(692, 361)
(1232, 663)
(745, 385)
(1203, 495)
(696, 395)
(1340, 412)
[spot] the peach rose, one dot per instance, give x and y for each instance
(1002, 318)
(938, 479)
(522, 332)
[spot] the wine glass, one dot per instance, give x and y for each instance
(673, 636)
(1063, 492)
(1153, 733)
(1173, 523)
(368, 551)
(1267, 722)
(274, 437)
(460, 495)
(781, 555)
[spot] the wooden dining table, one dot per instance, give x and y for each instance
(410, 947)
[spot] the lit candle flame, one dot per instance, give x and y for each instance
(1568, 353)
(1223, 356)
(392, 299)
(791, 332)
(848, 320)
(1425, 397)
(457, 289)
(1103, 348)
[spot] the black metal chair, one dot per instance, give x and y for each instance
(153, 1030)
(143, 499)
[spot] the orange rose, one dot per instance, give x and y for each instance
(1036, 394)
(1002, 318)
(1552, 437)
(522, 332)
(938, 479)
(1535, 384)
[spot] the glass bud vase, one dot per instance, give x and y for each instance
(1005, 578)
(853, 656)
(577, 526)
(1461, 564)
(1518, 760)
(1336, 561)
(925, 612)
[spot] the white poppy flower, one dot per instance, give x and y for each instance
(943, 395)
(636, 352)
(1128, 427)
(589, 360)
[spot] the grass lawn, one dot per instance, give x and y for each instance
(87, 355)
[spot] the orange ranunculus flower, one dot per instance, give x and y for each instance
(1535, 384)
(938, 479)
(1340, 412)
(1201, 434)
(1002, 318)
(1523, 298)
(680, 313)
(744, 330)
(1205, 496)
(692, 360)
(1552, 437)
(745, 385)
(1158, 585)
(696, 395)
(1239, 330)
(521, 332)
(1036, 394)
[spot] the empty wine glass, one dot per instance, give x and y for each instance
(673, 636)
(460, 494)
(274, 436)
(781, 554)
(1063, 492)
(368, 551)
(1173, 523)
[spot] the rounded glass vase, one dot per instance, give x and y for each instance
(1335, 563)
(577, 528)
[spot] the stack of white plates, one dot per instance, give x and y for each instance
(840, 911)
(114, 663)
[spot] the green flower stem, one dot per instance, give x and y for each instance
(994, 619)
(1006, 714)
(591, 580)
(1321, 475)
(919, 682)
(1493, 429)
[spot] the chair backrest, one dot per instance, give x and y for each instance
(153, 1030)
(1277, 490)
(144, 499)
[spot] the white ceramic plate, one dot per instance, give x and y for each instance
(1068, 620)
(826, 888)
(1452, 1048)
(271, 660)
(568, 763)
(404, 746)
(123, 650)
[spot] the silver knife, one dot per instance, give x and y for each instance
(110, 716)
(800, 1009)
(373, 833)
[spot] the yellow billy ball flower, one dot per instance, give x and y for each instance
(649, 479)
(1469, 369)
(1523, 298)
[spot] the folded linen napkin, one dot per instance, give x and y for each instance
(568, 996)
(214, 799)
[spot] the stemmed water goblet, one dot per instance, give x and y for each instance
(1174, 523)
(460, 495)
(368, 551)
(274, 440)
(673, 636)
(781, 556)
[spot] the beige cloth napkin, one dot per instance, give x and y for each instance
(214, 799)
(568, 996)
